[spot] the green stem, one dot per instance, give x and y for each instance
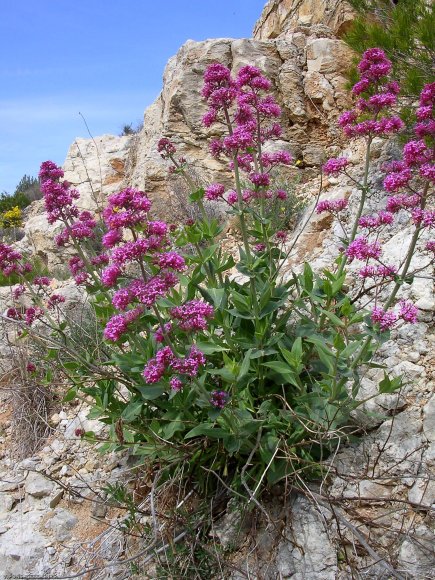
(364, 192)
(401, 277)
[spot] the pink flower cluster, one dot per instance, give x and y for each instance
(214, 191)
(331, 205)
(219, 399)
(193, 315)
(11, 261)
(378, 271)
(425, 112)
(59, 197)
(32, 314)
(362, 249)
(423, 217)
(55, 300)
(80, 229)
(250, 116)
(335, 166)
(126, 209)
(416, 171)
(381, 95)
(78, 270)
(166, 148)
(166, 361)
(386, 319)
(119, 324)
(372, 222)
(146, 293)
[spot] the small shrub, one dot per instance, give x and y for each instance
(220, 373)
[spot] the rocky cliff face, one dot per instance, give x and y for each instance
(282, 17)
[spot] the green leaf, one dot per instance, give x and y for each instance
(388, 385)
(338, 284)
(211, 347)
(218, 297)
(245, 366)
(132, 410)
(207, 429)
(333, 318)
(70, 395)
(151, 393)
(308, 277)
(257, 353)
(197, 195)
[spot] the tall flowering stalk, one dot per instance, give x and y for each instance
(410, 179)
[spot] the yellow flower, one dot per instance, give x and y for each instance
(12, 218)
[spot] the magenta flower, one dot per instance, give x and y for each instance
(14, 314)
(232, 197)
(50, 170)
(110, 275)
(386, 319)
(375, 221)
(126, 209)
(335, 166)
(331, 205)
(119, 324)
(408, 311)
(403, 201)
(41, 281)
(18, 291)
(10, 260)
(32, 314)
(362, 249)
(214, 191)
(395, 181)
(166, 148)
(176, 384)
(378, 271)
(260, 179)
(159, 335)
(55, 300)
(193, 315)
(219, 399)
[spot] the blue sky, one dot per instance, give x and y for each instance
(102, 58)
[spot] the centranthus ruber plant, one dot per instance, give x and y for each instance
(225, 368)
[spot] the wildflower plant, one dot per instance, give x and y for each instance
(229, 368)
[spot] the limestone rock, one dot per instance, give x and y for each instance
(281, 17)
(37, 485)
(311, 553)
(60, 522)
